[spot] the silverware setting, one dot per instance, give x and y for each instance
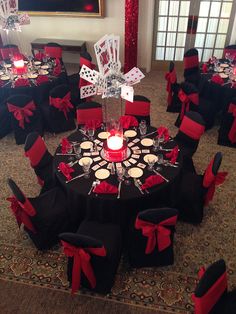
(94, 184)
(140, 183)
(158, 173)
(169, 164)
(138, 186)
(79, 176)
(82, 132)
(145, 135)
(119, 188)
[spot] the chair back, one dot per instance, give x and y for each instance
(192, 126)
(86, 59)
(60, 100)
(89, 111)
(139, 108)
(8, 51)
(53, 50)
(191, 62)
(211, 290)
(189, 98)
(230, 49)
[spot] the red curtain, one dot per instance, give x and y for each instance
(131, 34)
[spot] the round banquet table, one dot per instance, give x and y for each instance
(106, 207)
(39, 93)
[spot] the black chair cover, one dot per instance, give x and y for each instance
(173, 102)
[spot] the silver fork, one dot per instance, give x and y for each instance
(137, 185)
(92, 187)
(140, 183)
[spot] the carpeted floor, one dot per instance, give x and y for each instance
(161, 290)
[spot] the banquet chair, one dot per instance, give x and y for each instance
(172, 88)
(230, 49)
(58, 114)
(227, 131)
(93, 255)
(40, 160)
(7, 51)
(139, 108)
(196, 191)
(25, 116)
(89, 111)
(143, 248)
(211, 295)
(5, 120)
(43, 217)
(191, 66)
(53, 50)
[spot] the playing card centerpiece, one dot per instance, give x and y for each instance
(109, 81)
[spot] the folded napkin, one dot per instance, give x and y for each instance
(204, 68)
(217, 79)
(162, 130)
(22, 82)
(173, 155)
(128, 121)
(151, 181)
(66, 170)
(39, 56)
(41, 79)
(65, 145)
(93, 124)
(105, 188)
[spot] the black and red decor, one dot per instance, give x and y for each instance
(139, 108)
(94, 253)
(43, 217)
(172, 88)
(89, 111)
(191, 66)
(151, 236)
(227, 131)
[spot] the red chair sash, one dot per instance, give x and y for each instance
(6, 52)
(138, 108)
(22, 114)
(84, 115)
(171, 79)
(191, 62)
(191, 128)
(62, 104)
(82, 263)
(53, 52)
(232, 131)
(157, 234)
(185, 100)
(22, 213)
(231, 51)
(36, 151)
(205, 303)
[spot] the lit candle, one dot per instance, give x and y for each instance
(115, 142)
(19, 64)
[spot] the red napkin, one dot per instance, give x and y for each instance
(66, 170)
(128, 121)
(173, 155)
(151, 181)
(22, 82)
(65, 145)
(93, 124)
(105, 188)
(217, 79)
(41, 79)
(162, 130)
(39, 56)
(204, 68)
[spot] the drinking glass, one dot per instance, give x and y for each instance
(86, 168)
(77, 150)
(161, 139)
(151, 162)
(69, 150)
(143, 127)
(91, 132)
(160, 161)
(155, 144)
(127, 176)
(120, 173)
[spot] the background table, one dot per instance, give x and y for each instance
(107, 208)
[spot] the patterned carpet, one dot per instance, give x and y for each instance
(167, 289)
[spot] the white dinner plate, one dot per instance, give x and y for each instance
(8, 65)
(219, 70)
(223, 75)
(103, 135)
(130, 133)
(32, 76)
(26, 62)
(45, 67)
(85, 160)
(37, 62)
(86, 145)
(5, 78)
(147, 142)
(224, 65)
(102, 174)
(135, 172)
(150, 157)
(43, 72)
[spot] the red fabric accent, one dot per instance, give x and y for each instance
(62, 104)
(22, 114)
(53, 52)
(204, 304)
(57, 69)
(232, 131)
(138, 108)
(36, 151)
(171, 79)
(89, 64)
(152, 181)
(185, 100)
(163, 131)
(82, 263)
(217, 79)
(66, 170)
(201, 272)
(105, 188)
(22, 82)
(231, 51)
(41, 79)
(173, 155)
(84, 115)
(191, 62)
(6, 52)
(204, 68)
(157, 234)
(128, 121)
(191, 128)
(131, 34)
(93, 124)
(22, 213)
(39, 56)
(65, 145)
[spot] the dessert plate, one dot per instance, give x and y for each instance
(86, 145)
(103, 135)
(130, 133)
(37, 62)
(5, 78)
(223, 75)
(45, 67)
(147, 142)
(43, 72)
(85, 160)
(102, 174)
(150, 157)
(32, 76)
(224, 65)
(135, 172)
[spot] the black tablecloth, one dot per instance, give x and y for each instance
(107, 208)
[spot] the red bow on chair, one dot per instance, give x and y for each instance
(186, 99)
(22, 217)
(82, 262)
(232, 132)
(217, 180)
(156, 233)
(22, 114)
(171, 79)
(62, 104)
